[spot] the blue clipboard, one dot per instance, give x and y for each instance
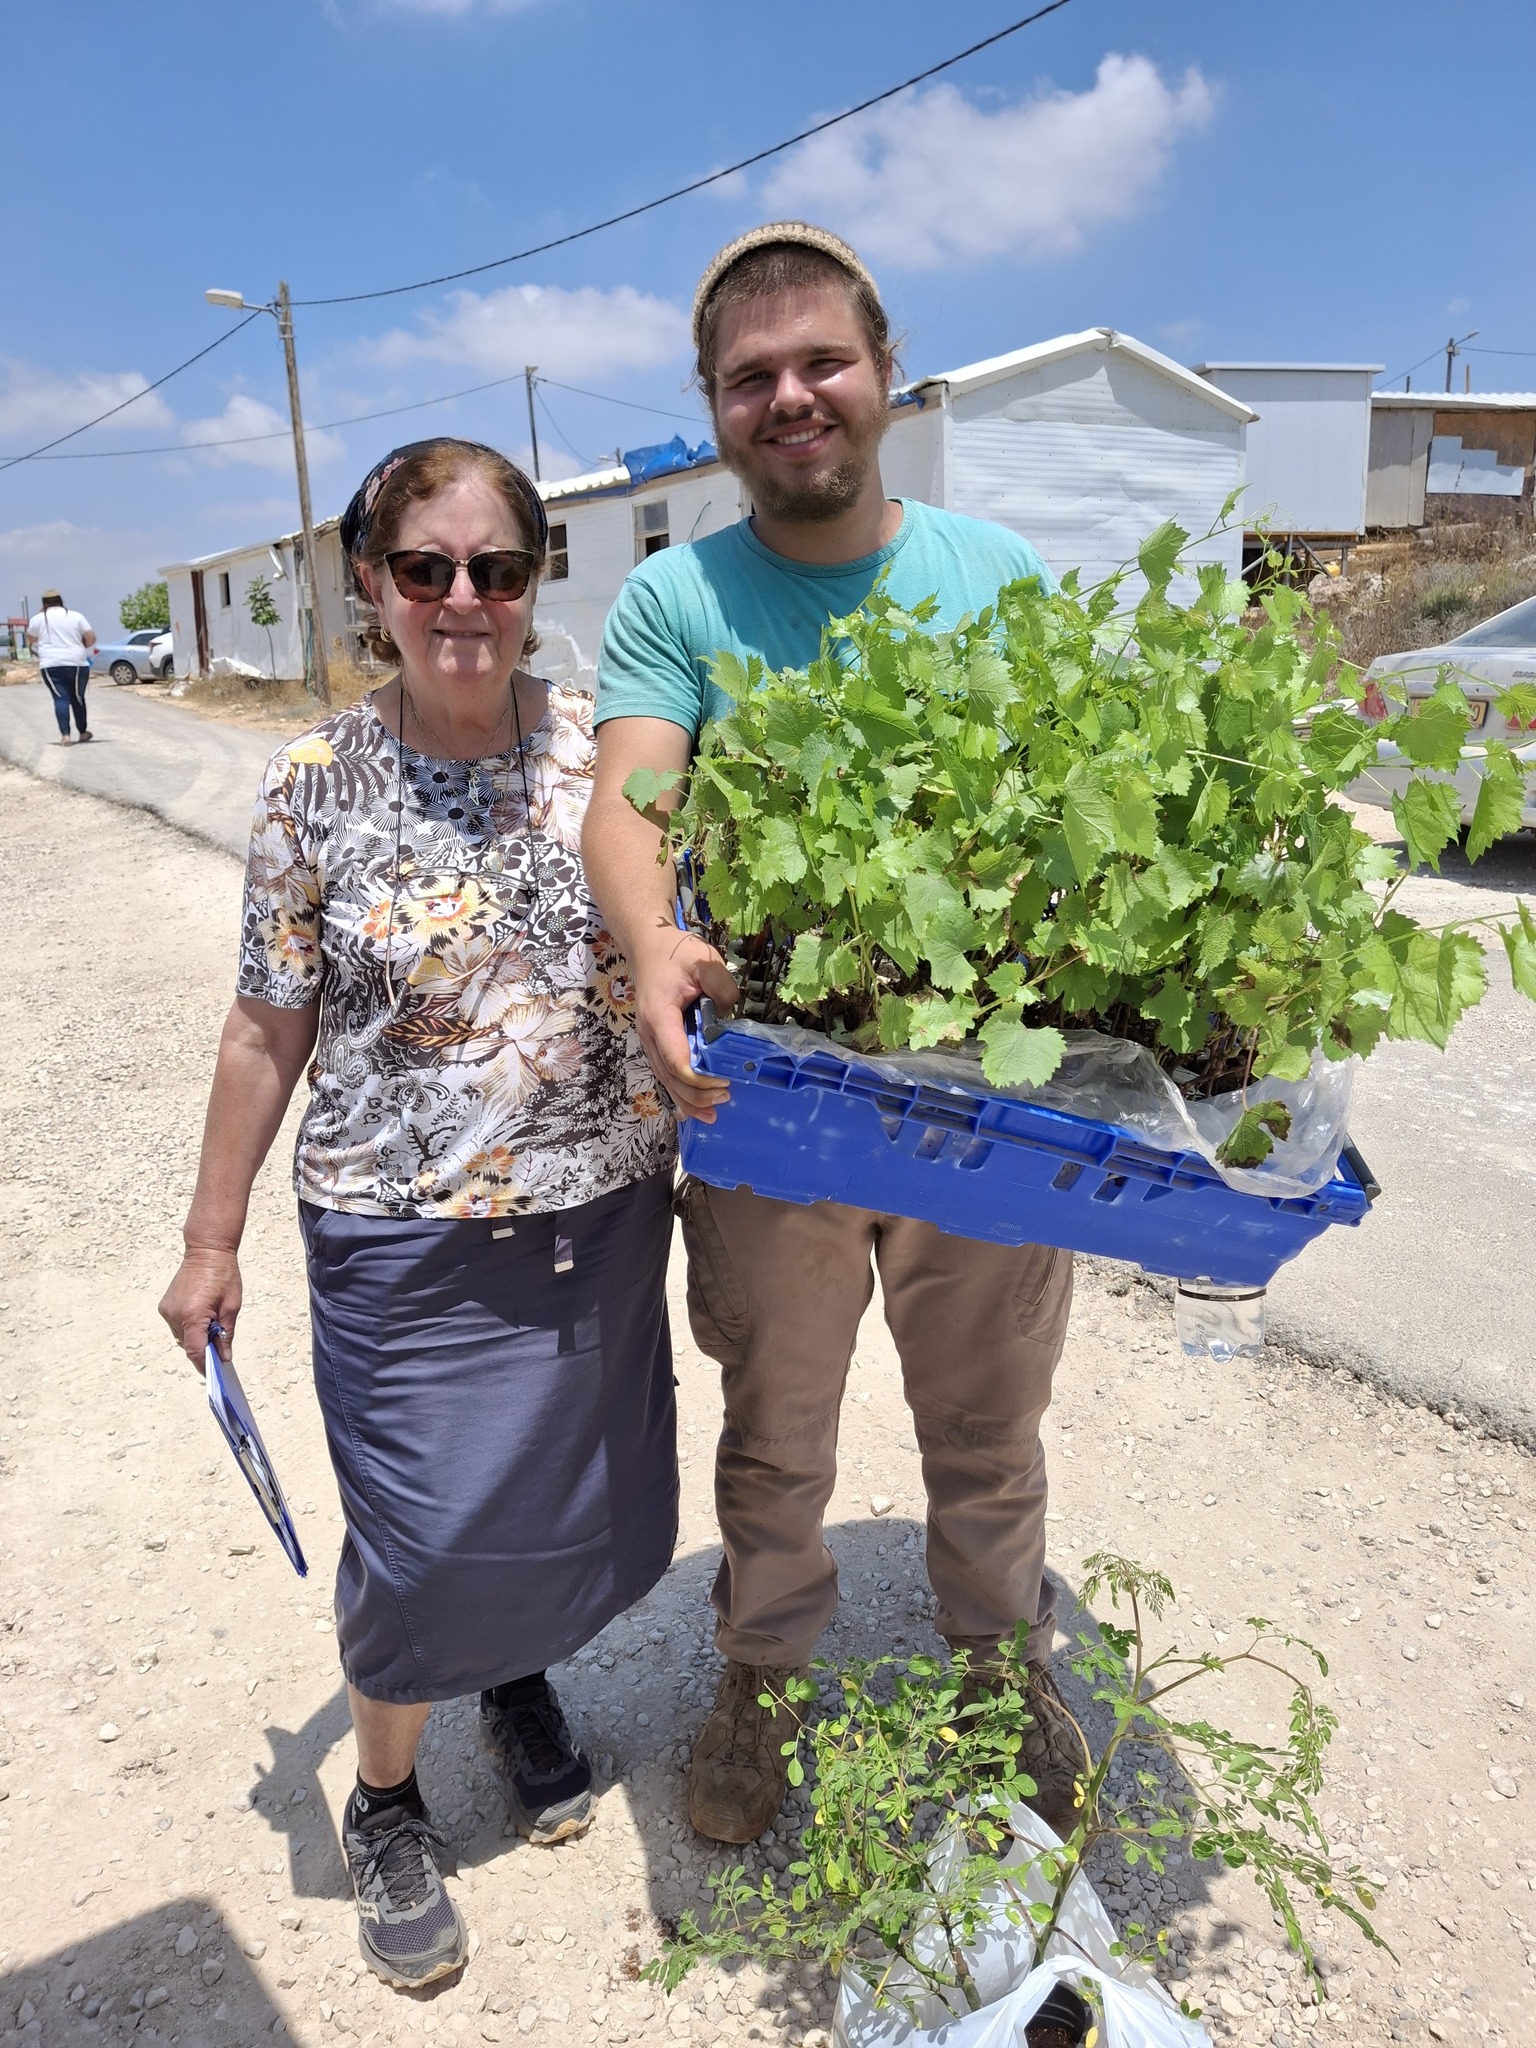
(232, 1412)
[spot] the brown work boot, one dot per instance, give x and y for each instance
(738, 1777)
(1052, 1754)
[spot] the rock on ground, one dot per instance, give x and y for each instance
(183, 1882)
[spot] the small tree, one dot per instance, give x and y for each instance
(262, 606)
(939, 1762)
(148, 606)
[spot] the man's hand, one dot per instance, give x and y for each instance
(206, 1290)
(675, 969)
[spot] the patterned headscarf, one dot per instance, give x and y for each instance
(358, 517)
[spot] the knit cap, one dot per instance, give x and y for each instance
(799, 232)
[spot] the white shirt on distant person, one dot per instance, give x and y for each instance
(59, 636)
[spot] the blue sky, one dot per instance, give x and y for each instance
(1336, 182)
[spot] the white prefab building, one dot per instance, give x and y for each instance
(1082, 444)
(210, 616)
(1309, 447)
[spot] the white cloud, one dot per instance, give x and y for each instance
(245, 416)
(93, 566)
(36, 403)
(582, 333)
(934, 178)
(1180, 333)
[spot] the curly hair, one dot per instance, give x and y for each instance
(421, 475)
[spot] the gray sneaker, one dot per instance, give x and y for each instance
(409, 1930)
(544, 1778)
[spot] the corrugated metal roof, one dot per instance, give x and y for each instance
(1456, 401)
(322, 526)
(591, 480)
(1100, 340)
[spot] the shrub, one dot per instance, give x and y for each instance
(896, 1780)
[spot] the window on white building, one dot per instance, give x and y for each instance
(651, 531)
(224, 588)
(559, 554)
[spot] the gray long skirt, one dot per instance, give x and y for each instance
(503, 1433)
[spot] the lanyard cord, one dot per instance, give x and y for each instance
(394, 882)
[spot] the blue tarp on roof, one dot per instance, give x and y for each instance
(665, 457)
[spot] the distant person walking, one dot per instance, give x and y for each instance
(63, 640)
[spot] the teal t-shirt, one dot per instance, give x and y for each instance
(685, 605)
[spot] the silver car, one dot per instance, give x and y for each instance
(1484, 661)
(135, 657)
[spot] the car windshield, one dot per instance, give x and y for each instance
(1514, 628)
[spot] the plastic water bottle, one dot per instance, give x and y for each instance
(1219, 1322)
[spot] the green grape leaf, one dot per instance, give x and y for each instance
(1158, 555)
(1500, 806)
(1428, 815)
(1520, 944)
(644, 785)
(1088, 819)
(1015, 1055)
(1433, 732)
(1251, 1139)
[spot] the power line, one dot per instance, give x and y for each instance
(357, 419)
(691, 419)
(1499, 351)
(697, 184)
(1416, 366)
(560, 434)
(10, 462)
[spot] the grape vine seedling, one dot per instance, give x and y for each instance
(1067, 814)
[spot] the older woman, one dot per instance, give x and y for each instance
(484, 1173)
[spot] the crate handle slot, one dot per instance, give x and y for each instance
(1110, 1188)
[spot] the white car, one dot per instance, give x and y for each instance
(1484, 661)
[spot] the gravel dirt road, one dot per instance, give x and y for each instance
(173, 1751)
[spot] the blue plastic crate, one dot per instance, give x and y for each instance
(818, 1127)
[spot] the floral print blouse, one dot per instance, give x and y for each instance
(504, 1075)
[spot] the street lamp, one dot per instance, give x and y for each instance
(1453, 349)
(316, 659)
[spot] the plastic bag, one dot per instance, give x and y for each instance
(1136, 2011)
(1115, 1082)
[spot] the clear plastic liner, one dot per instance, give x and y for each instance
(1115, 1082)
(1219, 1322)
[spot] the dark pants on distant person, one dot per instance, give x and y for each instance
(68, 688)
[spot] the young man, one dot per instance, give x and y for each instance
(795, 359)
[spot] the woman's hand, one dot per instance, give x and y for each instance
(206, 1290)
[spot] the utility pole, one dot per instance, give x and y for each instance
(530, 370)
(317, 662)
(1453, 349)
(317, 668)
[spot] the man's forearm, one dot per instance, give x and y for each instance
(632, 881)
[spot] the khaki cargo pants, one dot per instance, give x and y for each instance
(775, 1293)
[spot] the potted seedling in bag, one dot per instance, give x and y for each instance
(945, 1907)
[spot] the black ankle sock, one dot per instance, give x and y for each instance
(515, 1689)
(369, 1800)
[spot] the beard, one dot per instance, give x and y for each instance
(820, 494)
